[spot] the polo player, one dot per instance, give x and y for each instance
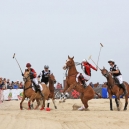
(86, 67)
(115, 72)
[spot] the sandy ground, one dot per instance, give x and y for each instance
(98, 116)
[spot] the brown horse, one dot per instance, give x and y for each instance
(71, 83)
(114, 89)
(51, 82)
(30, 93)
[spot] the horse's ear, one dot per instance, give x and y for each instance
(68, 57)
(73, 57)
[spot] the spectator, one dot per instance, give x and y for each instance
(4, 86)
(21, 85)
(59, 86)
(15, 86)
(17, 83)
(9, 86)
(1, 83)
(91, 84)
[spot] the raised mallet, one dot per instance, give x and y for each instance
(101, 45)
(17, 62)
(93, 61)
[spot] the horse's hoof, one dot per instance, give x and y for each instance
(55, 107)
(125, 109)
(48, 109)
(111, 109)
(29, 108)
(36, 108)
(60, 101)
(42, 109)
(118, 109)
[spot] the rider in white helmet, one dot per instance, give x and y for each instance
(86, 67)
(114, 70)
(44, 74)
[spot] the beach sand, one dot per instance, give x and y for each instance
(98, 117)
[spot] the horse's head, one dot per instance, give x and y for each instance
(104, 72)
(69, 63)
(26, 76)
(52, 78)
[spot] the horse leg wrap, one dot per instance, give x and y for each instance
(21, 106)
(29, 105)
(48, 105)
(117, 104)
(111, 104)
(125, 108)
(66, 95)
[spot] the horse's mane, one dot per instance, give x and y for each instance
(51, 85)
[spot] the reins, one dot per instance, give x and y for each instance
(107, 76)
(25, 83)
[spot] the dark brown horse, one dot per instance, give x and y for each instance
(51, 82)
(71, 83)
(114, 89)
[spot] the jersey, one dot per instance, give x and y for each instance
(87, 68)
(115, 68)
(44, 74)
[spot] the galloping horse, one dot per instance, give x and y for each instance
(114, 89)
(71, 83)
(51, 82)
(30, 93)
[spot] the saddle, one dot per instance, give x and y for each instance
(116, 81)
(37, 88)
(81, 79)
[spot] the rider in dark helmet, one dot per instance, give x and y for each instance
(114, 70)
(33, 77)
(45, 74)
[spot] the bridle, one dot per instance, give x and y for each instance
(25, 79)
(106, 75)
(52, 81)
(67, 68)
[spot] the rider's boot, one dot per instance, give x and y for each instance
(38, 89)
(84, 83)
(125, 90)
(35, 87)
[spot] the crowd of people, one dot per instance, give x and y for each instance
(7, 84)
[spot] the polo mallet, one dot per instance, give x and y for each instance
(17, 63)
(93, 62)
(101, 45)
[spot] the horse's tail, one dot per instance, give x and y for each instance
(98, 95)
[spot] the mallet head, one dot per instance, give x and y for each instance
(89, 57)
(14, 55)
(101, 44)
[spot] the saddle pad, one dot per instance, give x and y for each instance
(45, 84)
(41, 88)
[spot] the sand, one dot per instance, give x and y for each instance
(98, 116)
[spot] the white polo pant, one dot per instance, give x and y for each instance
(35, 80)
(120, 79)
(86, 77)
